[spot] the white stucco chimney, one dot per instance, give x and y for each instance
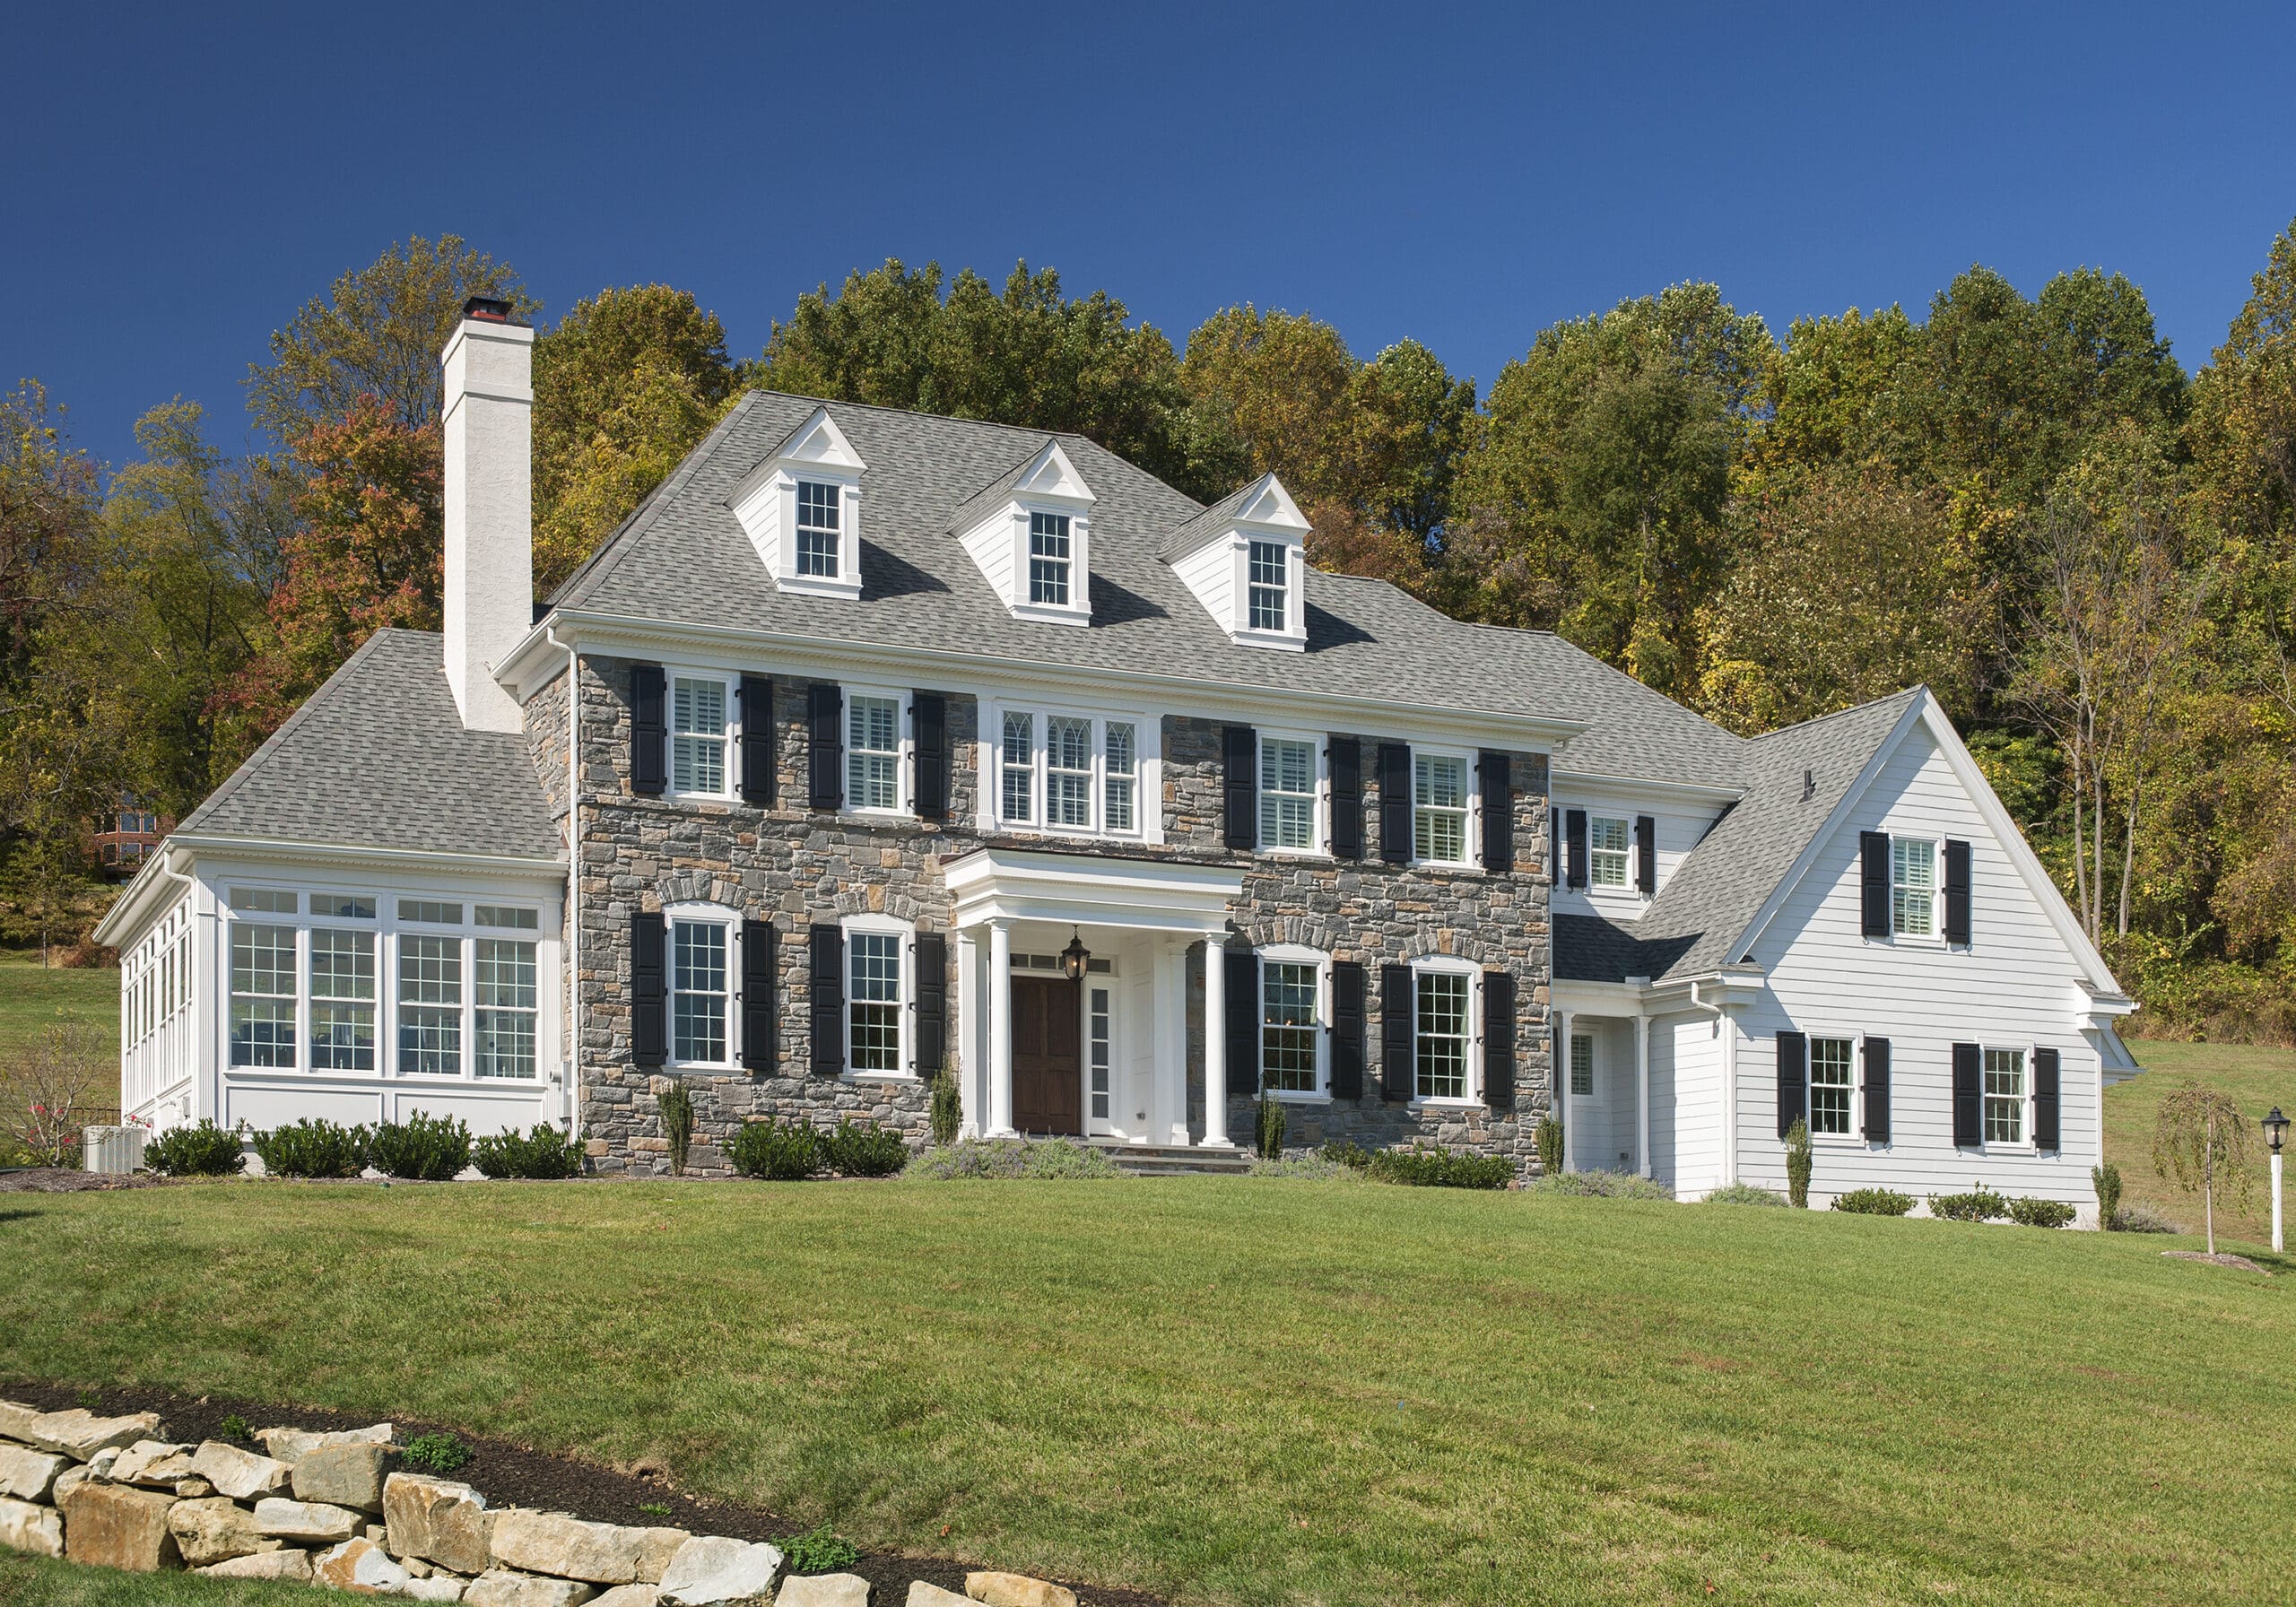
(488, 422)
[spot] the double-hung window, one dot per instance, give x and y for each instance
(873, 752)
(1607, 846)
(1829, 1085)
(1123, 779)
(1269, 578)
(1068, 771)
(1287, 793)
(1292, 1024)
(505, 995)
(1913, 886)
(1048, 559)
(698, 992)
(697, 736)
(1439, 822)
(2004, 1096)
(430, 1002)
(1582, 1065)
(263, 980)
(873, 1000)
(1443, 1003)
(818, 527)
(343, 989)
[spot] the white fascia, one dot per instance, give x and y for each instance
(766, 504)
(998, 543)
(1219, 572)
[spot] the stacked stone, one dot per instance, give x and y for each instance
(335, 1510)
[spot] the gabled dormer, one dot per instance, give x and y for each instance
(1245, 558)
(1030, 533)
(802, 509)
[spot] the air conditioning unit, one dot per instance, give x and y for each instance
(116, 1151)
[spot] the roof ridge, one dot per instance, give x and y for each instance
(1819, 719)
(610, 552)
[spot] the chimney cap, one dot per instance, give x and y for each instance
(488, 310)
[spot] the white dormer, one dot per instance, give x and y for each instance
(802, 508)
(1031, 534)
(1245, 558)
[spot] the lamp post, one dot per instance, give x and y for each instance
(2275, 1133)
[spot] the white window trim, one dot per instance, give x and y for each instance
(732, 768)
(904, 751)
(1472, 861)
(1935, 936)
(2022, 1144)
(905, 1010)
(1299, 954)
(1855, 1136)
(1078, 609)
(1147, 771)
(1279, 636)
(1474, 1025)
(716, 915)
(1319, 785)
(1624, 886)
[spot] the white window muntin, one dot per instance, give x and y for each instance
(1582, 1065)
(1914, 887)
(880, 997)
(1446, 1031)
(820, 507)
(1295, 981)
(1029, 781)
(2004, 1092)
(1833, 1086)
(879, 740)
(1610, 846)
(1293, 787)
(704, 719)
(1268, 583)
(702, 980)
(1441, 825)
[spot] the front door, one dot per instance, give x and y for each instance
(1048, 1073)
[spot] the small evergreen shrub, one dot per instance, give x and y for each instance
(819, 1552)
(1604, 1185)
(2107, 1179)
(1439, 1169)
(1313, 1168)
(2144, 1219)
(946, 1108)
(426, 1149)
(546, 1152)
(436, 1453)
(1980, 1205)
(235, 1429)
(654, 1508)
(677, 1123)
(867, 1150)
(1348, 1154)
(313, 1148)
(1798, 1165)
(205, 1151)
(1874, 1202)
(2041, 1213)
(1014, 1158)
(777, 1151)
(1747, 1193)
(1549, 1142)
(1268, 1123)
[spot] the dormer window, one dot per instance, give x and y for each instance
(1271, 586)
(1030, 531)
(1244, 558)
(801, 509)
(1048, 559)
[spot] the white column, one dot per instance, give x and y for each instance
(1642, 1092)
(1562, 1091)
(1170, 1076)
(967, 1036)
(1215, 1045)
(2277, 1244)
(999, 984)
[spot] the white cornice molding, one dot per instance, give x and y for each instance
(1700, 791)
(333, 855)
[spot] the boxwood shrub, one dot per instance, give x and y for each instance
(425, 1148)
(544, 1152)
(778, 1152)
(865, 1150)
(1874, 1202)
(1439, 1169)
(313, 1148)
(1980, 1205)
(2041, 1213)
(205, 1151)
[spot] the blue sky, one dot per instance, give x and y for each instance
(180, 185)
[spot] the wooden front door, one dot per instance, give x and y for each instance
(1048, 1069)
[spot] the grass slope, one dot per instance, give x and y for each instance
(31, 998)
(1244, 1390)
(2259, 1079)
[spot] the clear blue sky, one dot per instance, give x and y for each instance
(179, 185)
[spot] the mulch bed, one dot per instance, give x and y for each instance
(514, 1475)
(2222, 1258)
(68, 1180)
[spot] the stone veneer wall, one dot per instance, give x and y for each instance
(791, 865)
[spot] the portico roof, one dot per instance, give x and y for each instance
(1091, 890)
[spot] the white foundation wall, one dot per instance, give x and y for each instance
(2017, 985)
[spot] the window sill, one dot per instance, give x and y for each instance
(851, 1075)
(1444, 1104)
(1446, 867)
(1298, 1096)
(1309, 854)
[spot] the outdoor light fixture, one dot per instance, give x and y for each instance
(1076, 957)
(2275, 1133)
(2276, 1129)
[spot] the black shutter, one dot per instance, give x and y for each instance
(1957, 892)
(1243, 1020)
(825, 744)
(1396, 1032)
(1874, 859)
(1347, 989)
(1395, 804)
(1574, 824)
(648, 731)
(648, 988)
(1555, 846)
(2046, 1102)
(757, 740)
(1877, 1090)
(761, 989)
(1793, 1080)
(932, 1003)
(1240, 781)
(1496, 771)
(932, 789)
(1969, 1096)
(1346, 764)
(1645, 855)
(828, 976)
(1499, 1039)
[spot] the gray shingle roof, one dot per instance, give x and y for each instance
(378, 757)
(1590, 949)
(1184, 539)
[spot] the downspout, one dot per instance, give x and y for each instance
(573, 877)
(1729, 1084)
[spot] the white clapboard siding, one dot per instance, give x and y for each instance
(1678, 829)
(1686, 1149)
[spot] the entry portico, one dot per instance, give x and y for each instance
(1126, 1041)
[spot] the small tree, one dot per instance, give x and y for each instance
(946, 1110)
(1798, 1164)
(1549, 1142)
(49, 1088)
(2106, 1178)
(2200, 1141)
(677, 1123)
(1267, 1126)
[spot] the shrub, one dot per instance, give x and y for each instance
(1604, 1185)
(236, 1428)
(1980, 1205)
(205, 1151)
(2107, 1178)
(428, 1149)
(2041, 1213)
(1549, 1142)
(1268, 1123)
(947, 1111)
(1745, 1193)
(778, 1152)
(1014, 1158)
(544, 1152)
(1874, 1202)
(1313, 1168)
(865, 1151)
(677, 1123)
(312, 1147)
(819, 1552)
(436, 1453)
(1439, 1169)
(1348, 1154)
(2144, 1219)
(1798, 1165)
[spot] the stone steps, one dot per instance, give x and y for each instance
(1171, 1161)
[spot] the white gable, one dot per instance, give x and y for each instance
(1256, 610)
(802, 554)
(998, 534)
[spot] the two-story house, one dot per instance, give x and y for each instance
(876, 742)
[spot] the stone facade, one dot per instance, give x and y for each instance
(791, 865)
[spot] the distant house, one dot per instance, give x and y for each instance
(875, 743)
(126, 836)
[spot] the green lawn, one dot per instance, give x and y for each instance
(31, 998)
(2259, 1079)
(1245, 1390)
